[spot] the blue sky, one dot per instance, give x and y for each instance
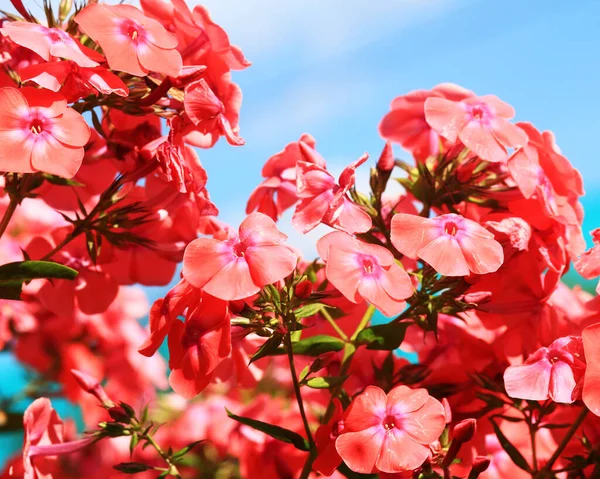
(331, 68)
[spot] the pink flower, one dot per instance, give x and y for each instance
(132, 42)
(452, 244)
(324, 201)
(390, 433)
(549, 373)
(328, 459)
(198, 345)
(44, 441)
(406, 123)
(242, 264)
(480, 123)
(40, 133)
(278, 192)
(73, 81)
(591, 381)
(50, 43)
(365, 271)
(588, 264)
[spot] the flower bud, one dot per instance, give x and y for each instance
(322, 361)
(480, 465)
(91, 386)
(304, 289)
(465, 430)
(476, 298)
(119, 414)
(386, 160)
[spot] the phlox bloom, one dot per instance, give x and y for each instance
(39, 132)
(390, 433)
(549, 373)
(42, 427)
(324, 201)
(242, 264)
(451, 244)
(73, 81)
(50, 43)
(588, 264)
(480, 123)
(591, 380)
(365, 271)
(198, 345)
(132, 42)
(405, 123)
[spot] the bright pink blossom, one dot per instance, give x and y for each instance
(51, 43)
(452, 244)
(198, 345)
(328, 459)
(40, 133)
(390, 433)
(591, 380)
(549, 373)
(241, 265)
(73, 81)
(480, 123)
(365, 271)
(132, 42)
(277, 192)
(406, 123)
(324, 201)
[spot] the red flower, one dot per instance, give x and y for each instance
(324, 201)
(390, 433)
(481, 123)
(132, 42)
(241, 265)
(40, 133)
(365, 271)
(452, 244)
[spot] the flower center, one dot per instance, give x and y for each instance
(389, 423)
(450, 228)
(36, 126)
(132, 30)
(239, 250)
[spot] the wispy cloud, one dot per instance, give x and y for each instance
(318, 28)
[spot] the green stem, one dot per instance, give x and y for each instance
(364, 321)
(333, 324)
(70, 237)
(311, 456)
(547, 469)
(172, 467)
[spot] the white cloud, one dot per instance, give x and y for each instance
(317, 28)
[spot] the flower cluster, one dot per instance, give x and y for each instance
(277, 366)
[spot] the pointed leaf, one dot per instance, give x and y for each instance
(383, 336)
(510, 449)
(276, 432)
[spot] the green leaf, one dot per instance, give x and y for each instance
(305, 372)
(325, 382)
(13, 275)
(383, 336)
(510, 449)
(132, 467)
(317, 345)
(133, 442)
(309, 310)
(182, 452)
(269, 347)
(59, 181)
(276, 432)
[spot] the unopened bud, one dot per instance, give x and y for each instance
(119, 414)
(386, 160)
(64, 8)
(480, 465)
(322, 361)
(465, 430)
(92, 386)
(477, 297)
(304, 289)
